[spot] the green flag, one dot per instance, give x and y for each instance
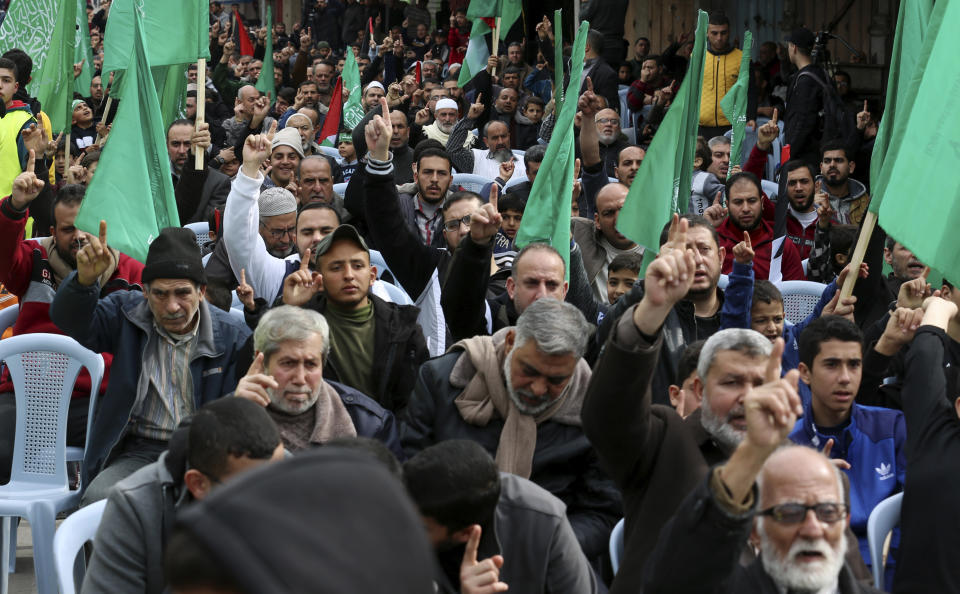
(265, 83)
(662, 185)
(171, 84)
(83, 52)
(477, 53)
(53, 83)
(902, 83)
(558, 93)
(734, 103)
(921, 200)
(176, 32)
(547, 216)
(353, 110)
(27, 26)
(132, 189)
(508, 11)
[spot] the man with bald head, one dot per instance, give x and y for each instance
(789, 501)
(611, 140)
(599, 239)
(628, 164)
(484, 162)
(250, 117)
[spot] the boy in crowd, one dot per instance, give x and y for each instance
(683, 397)
(511, 207)
(621, 274)
(348, 155)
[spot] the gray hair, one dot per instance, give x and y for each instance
(557, 327)
(742, 340)
(718, 141)
(288, 322)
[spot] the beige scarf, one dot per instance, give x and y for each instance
(480, 372)
(61, 269)
(332, 418)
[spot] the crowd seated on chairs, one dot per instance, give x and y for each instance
(366, 240)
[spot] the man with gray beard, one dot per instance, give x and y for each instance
(286, 377)
(612, 141)
(484, 162)
(518, 393)
(657, 457)
(446, 114)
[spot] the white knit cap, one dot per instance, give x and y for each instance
(288, 137)
(446, 103)
(375, 83)
(276, 201)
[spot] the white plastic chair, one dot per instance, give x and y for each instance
(8, 317)
(330, 151)
(722, 282)
(470, 181)
(616, 546)
(800, 298)
(514, 181)
(771, 189)
(882, 520)
(79, 528)
(202, 231)
(340, 189)
(43, 368)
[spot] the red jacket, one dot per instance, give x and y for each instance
(457, 39)
(762, 240)
(26, 272)
(803, 239)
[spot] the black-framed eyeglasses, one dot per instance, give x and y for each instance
(794, 513)
(278, 233)
(454, 224)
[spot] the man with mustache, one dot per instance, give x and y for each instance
(446, 114)
(292, 346)
(496, 136)
(518, 394)
(33, 270)
(802, 212)
(848, 197)
(198, 192)
(655, 456)
(172, 353)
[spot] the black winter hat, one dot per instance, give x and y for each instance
(174, 254)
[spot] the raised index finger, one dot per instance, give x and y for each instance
(494, 193)
(257, 365)
(31, 161)
(775, 113)
(772, 372)
(473, 543)
(384, 106)
(746, 239)
(103, 233)
(243, 276)
(305, 261)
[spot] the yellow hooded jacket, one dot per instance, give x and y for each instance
(720, 71)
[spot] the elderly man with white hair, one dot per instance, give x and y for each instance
(292, 344)
(446, 115)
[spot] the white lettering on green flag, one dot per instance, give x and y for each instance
(133, 189)
(53, 82)
(734, 103)
(547, 216)
(27, 26)
(662, 185)
(353, 108)
(921, 200)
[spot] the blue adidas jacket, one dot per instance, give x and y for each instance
(873, 445)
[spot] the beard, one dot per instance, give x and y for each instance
(607, 138)
(282, 253)
(68, 255)
(810, 576)
(801, 204)
(279, 403)
(721, 429)
(517, 396)
(501, 155)
(446, 128)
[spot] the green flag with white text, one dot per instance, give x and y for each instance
(53, 82)
(547, 215)
(734, 103)
(662, 185)
(353, 108)
(265, 83)
(132, 189)
(906, 70)
(920, 205)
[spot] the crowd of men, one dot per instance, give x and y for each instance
(373, 387)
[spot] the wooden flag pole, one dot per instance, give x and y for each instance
(106, 114)
(69, 158)
(496, 43)
(869, 223)
(201, 106)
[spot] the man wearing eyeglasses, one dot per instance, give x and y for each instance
(870, 439)
(611, 140)
(278, 221)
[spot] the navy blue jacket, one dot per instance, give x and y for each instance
(121, 324)
(370, 419)
(873, 445)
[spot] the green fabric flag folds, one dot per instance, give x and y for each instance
(265, 83)
(920, 205)
(547, 216)
(53, 82)
(353, 109)
(508, 11)
(83, 52)
(906, 70)
(133, 189)
(734, 103)
(662, 185)
(176, 32)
